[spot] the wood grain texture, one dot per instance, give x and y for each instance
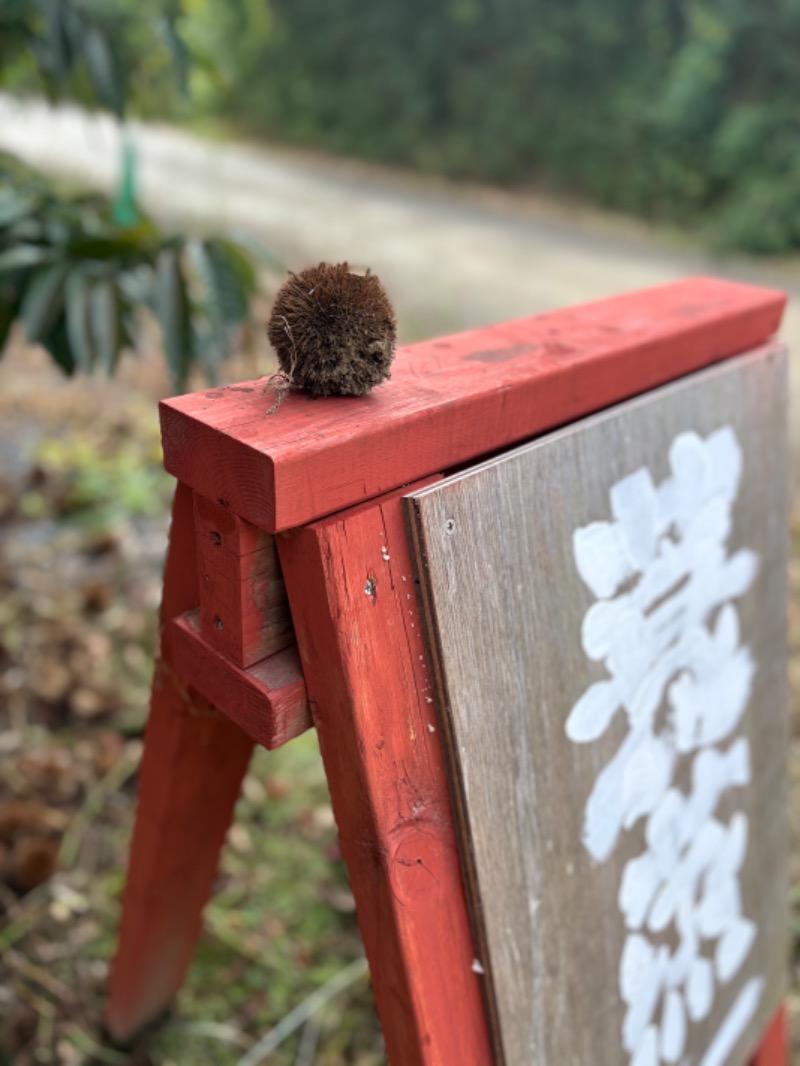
(268, 700)
(194, 760)
(505, 605)
(352, 596)
(219, 529)
(244, 613)
(452, 400)
(774, 1047)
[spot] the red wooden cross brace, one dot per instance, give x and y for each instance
(287, 511)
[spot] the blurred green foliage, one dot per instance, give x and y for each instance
(100, 52)
(679, 110)
(77, 271)
(101, 477)
(78, 280)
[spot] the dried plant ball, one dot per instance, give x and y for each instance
(334, 331)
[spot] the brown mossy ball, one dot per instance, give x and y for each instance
(334, 331)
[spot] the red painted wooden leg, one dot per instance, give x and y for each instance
(191, 774)
(774, 1049)
(193, 764)
(351, 589)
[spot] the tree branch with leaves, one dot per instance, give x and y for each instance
(80, 271)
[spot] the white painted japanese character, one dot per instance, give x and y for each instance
(665, 626)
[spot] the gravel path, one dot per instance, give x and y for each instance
(452, 257)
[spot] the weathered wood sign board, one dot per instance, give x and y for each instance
(606, 616)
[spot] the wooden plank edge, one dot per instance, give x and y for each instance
(268, 700)
(444, 720)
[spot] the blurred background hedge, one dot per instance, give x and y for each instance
(684, 111)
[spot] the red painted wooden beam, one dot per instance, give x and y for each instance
(268, 700)
(453, 399)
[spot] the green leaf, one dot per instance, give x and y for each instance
(23, 256)
(26, 230)
(76, 304)
(57, 44)
(57, 231)
(127, 324)
(104, 314)
(130, 243)
(172, 311)
(56, 341)
(181, 59)
(8, 315)
(239, 262)
(14, 206)
(43, 301)
(103, 70)
(227, 286)
(74, 26)
(136, 284)
(206, 349)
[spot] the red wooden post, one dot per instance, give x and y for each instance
(192, 769)
(352, 592)
(774, 1049)
(243, 610)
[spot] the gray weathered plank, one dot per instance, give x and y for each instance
(550, 869)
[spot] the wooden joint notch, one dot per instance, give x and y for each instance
(268, 700)
(244, 612)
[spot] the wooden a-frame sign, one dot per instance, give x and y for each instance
(549, 685)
